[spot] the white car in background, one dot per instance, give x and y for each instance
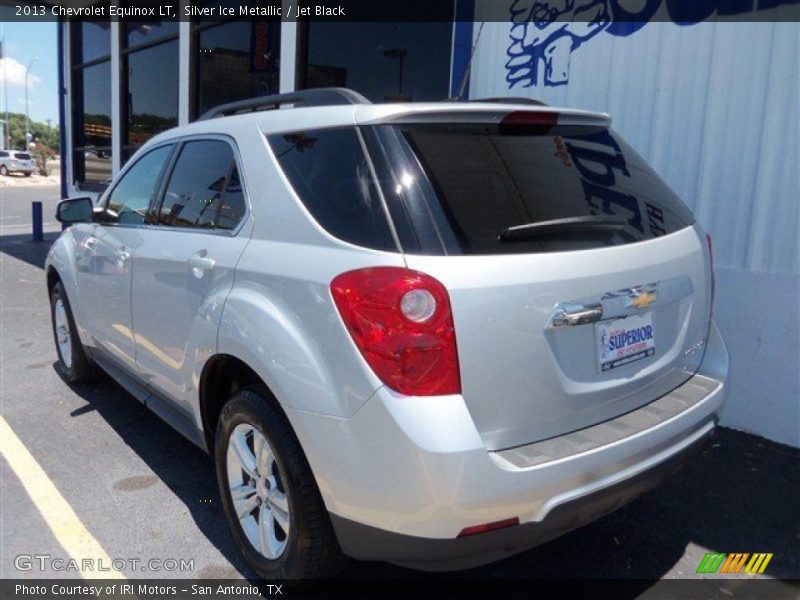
(12, 161)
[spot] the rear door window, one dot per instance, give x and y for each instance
(204, 190)
(480, 182)
(330, 173)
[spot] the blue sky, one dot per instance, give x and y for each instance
(23, 42)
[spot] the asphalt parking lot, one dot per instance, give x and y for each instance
(142, 491)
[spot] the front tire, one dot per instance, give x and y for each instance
(28, 173)
(269, 495)
(3, 170)
(74, 364)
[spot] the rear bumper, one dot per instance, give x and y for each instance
(403, 476)
(429, 554)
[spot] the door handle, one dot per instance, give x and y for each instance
(568, 314)
(200, 263)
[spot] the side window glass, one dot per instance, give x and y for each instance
(131, 196)
(329, 172)
(194, 194)
(232, 208)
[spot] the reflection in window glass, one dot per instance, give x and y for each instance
(144, 32)
(236, 60)
(329, 173)
(195, 190)
(368, 57)
(232, 208)
(152, 99)
(96, 84)
(92, 123)
(132, 195)
(90, 41)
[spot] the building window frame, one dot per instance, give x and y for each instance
(76, 72)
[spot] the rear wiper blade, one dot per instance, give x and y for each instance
(556, 226)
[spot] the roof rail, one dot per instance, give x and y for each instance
(313, 97)
(511, 100)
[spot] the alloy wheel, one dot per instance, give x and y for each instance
(63, 333)
(258, 491)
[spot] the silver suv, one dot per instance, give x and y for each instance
(432, 334)
(12, 161)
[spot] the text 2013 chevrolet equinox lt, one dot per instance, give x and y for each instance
(431, 334)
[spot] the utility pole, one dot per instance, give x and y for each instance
(7, 128)
(27, 119)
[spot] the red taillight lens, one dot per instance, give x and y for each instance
(401, 322)
(476, 529)
(525, 122)
(713, 277)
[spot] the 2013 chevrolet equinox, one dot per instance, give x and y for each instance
(432, 334)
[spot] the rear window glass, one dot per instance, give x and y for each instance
(467, 185)
(330, 173)
(23, 156)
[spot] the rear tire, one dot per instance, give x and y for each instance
(28, 173)
(74, 364)
(3, 170)
(296, 543)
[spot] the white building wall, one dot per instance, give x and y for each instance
(715, 108)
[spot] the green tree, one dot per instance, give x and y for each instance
(42, 134)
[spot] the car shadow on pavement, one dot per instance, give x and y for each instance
(180, 465)
(22, 247)
(738, 495)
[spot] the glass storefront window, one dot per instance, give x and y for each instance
(91, 41)
(151, 102)
(382, 61)
(91, 102)
(144, 32)
(92, 124)
(235, 60)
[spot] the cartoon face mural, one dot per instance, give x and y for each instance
(545, 33)
(542, 40)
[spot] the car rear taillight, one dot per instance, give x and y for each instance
(486, 527)
(713, 277)
(402, 324)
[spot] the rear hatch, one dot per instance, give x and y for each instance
(579, 283)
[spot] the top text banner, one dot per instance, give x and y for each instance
(541, 13)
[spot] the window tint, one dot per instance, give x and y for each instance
(3, 154)
(131, 196)
(330, 174)
(199, 193)
(483, 181)
(22, 155)
(232, 208)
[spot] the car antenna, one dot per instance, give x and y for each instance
(462, 86)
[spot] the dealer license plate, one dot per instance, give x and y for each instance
(623, 341)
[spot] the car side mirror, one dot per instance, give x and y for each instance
(75, 210)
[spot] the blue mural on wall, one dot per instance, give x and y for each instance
(545, 33)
